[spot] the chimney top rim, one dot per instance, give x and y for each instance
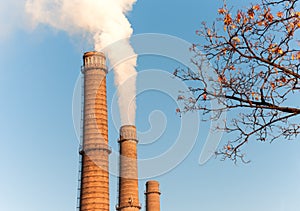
(127, 126)
(152, 184)
(93, 53)
(152, 181)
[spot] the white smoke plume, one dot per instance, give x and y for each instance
(11, 18)
(105, 21)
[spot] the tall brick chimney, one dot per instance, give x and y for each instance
(94, 188)
(152, 196)
(128, 179)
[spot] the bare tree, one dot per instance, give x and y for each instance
(254, 53)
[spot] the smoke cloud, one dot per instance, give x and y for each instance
(106, 23)
(11, 18)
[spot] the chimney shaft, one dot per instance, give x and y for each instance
(94, 192)
(152, 196)
(128, 179)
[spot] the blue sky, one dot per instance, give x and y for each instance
(39, 147)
